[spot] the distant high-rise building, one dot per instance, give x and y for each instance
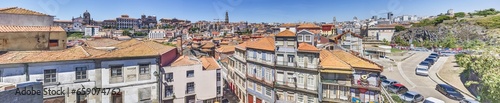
(450, 12)
(334, 20)
(227, 18)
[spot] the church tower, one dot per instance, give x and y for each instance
(227, 18)
(86, 18)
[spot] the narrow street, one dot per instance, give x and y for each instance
(230, 96)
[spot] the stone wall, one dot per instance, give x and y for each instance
(31, 40)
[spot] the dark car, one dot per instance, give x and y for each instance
(435, 54)
(398, 88)
(430, 60)
(433, 57)
(382, 77)
(449, 91)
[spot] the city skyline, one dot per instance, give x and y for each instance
(251, 11)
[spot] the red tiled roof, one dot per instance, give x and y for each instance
(6, 28)
(209, 63)
(307, 47)
(286, 33)
(266, 43)
(22, 11)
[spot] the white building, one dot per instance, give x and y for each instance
(381, 32)
(237, 78)
(91, 30)
(128, 71)
(190, 80)
(157, 34)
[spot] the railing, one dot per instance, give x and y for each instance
(387, 95)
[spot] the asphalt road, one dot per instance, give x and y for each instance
(405, 74)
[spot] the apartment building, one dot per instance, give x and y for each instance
(189, 80)
(351, 41)
(335, 78)
(260, 69)
(237, 78)
(296, 68)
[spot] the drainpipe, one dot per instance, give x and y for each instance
(26, 71)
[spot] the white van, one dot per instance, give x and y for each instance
(432, 100)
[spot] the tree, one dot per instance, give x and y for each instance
(460, 14)
(385, 42)
(126, 33)
(440, 19)
(400, 28)
(486, 12)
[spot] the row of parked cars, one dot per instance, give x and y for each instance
(424, 66)
(394, 86)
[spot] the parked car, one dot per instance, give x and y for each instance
(422, 71)
(424, 64)
(388, 82)
(446, 53)
(433, 100)
(449, 91)
(411, 96)
(435, 54)
(430, 60)
(382, 77)
(398, 88)
(433, 57)
(468, 101)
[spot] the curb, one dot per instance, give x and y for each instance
(446, 82)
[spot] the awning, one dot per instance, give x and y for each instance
(337, 71)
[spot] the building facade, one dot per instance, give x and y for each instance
(260, 69)
(91, 30)
(237, 78)
(156, 34)
(125, 22)
(23, 17)
(32, 38)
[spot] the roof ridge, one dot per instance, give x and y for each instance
(84, 51)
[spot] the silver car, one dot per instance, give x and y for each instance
(388, 82)
(411, 96)
(468, 101)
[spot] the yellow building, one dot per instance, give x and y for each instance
(21, 38)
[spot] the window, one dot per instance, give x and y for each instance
(300, 98)
(53, 43)
(190, 88)
(190, 73)
(218, 90)
(310, 99)
(290, 58)
(299, 38)
(291, 97)
(280, 96)
(143, 69)
(169, 90)
(290, 78)
(116, 71)
(308, 38)
(310, 80)
(290, 44)
(280, 76)
(263, 56)
(81, 73)
(116, 98)
(259, 72)
(268, 91)
(218, 77)
(280, 57)
(269, 75)
(300, 79)
(81, 98)
(258, 88)
(300, 59)
(269, 57)
(254, 55)
(49, 76)
(169, 77)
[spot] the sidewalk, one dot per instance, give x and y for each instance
(450, 74)
(402, 58)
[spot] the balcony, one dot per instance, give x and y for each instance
(285, 85)
(260, 61)
(336, 82)
(189, 92)
(285, 64)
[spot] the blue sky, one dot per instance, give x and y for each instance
(249, 10)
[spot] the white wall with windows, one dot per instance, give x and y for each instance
(67, 74)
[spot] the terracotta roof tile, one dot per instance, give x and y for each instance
(22, 11)
(307, 47)
(329, 61)
(286, 33)
(209, 63)
(288, 25)
(74, 53)
(226, 48)
(126, 43)
(243, 46)
(308, 25)
(6, 28)
(355, 61)
(102, 42)
(207, 45)
(148, 48)
(185, 61)
(266, 43)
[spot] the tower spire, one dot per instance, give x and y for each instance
(227, 18)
